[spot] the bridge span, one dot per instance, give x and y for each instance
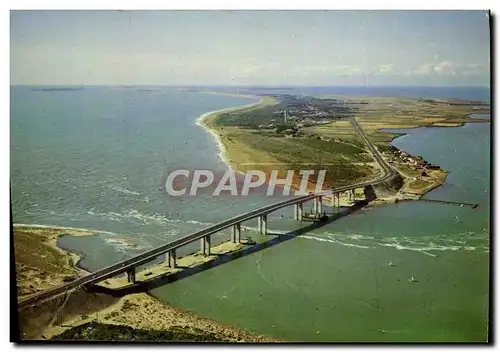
(129, 265)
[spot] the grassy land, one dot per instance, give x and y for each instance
(40, 264)
(249, 148)
(375, 113)
(333, 146)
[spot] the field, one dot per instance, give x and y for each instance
(259, 137)
(378, 113)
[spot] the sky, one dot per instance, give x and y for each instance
(278, 48)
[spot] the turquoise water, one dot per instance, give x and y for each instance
(334, 284)
(97, 159)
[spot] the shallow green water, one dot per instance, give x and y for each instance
(335, 284)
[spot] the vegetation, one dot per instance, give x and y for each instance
(38, 264)
(251, 117)
(109, 332)
(317, 132)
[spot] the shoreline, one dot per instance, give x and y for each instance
(33, 272)
(202, 121)
(53, 238)
(140, 310)
(207, 121)
(457, 125)
(68, 231)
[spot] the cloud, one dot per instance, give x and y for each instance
(448, 68)
(385, 69)
(330, 70)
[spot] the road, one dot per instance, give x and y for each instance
(146, 257)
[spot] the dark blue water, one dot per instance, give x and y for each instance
(467, 93)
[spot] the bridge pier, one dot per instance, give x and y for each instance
(317, 205)
(262, 222)
(236, 233)
(171, 258)
(298, 211)
(205, 245)
(336, 202)
(131, 275)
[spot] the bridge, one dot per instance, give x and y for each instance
(169, 250)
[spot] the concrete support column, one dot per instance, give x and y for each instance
(315, 206)
(263, 224)
(237, 229)
(296, 212)
(171, 258)
(233, 233)
(320, 205)
(131, 275)
(205, 245)
(301, 211)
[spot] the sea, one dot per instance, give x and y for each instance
(97, 158)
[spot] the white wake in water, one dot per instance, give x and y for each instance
(123, 190)
(147, 219)
(425, 245)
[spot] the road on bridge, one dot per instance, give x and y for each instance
(146, 257)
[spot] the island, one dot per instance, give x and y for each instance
(293, 132)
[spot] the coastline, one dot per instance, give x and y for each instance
(34, 272)
(234, 153)
(139, 310)
(202, 121)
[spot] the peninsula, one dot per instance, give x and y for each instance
(285, 131)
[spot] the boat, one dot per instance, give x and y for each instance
(390, 263)
(412, 279)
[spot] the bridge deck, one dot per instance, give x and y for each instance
(126, 265)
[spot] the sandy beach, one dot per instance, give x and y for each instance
(42, 265)
(203, 119)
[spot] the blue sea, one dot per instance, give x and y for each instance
(97, 158)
